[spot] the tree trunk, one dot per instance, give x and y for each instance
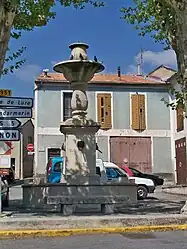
(181, 50)
(180, 44)
(6, 22)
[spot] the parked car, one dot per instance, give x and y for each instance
(54, 169)
(4, 192)
(156, 179)
(116, 174)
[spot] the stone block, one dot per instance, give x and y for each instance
(107, 208)
(67, 209)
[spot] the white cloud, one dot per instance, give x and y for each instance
(166, 57)
(28, 73)
(155, 59)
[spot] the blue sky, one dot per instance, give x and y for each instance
(113, 41)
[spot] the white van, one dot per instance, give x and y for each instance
(110, 172)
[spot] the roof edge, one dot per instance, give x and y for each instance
(166, 67)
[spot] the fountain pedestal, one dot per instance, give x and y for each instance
(80, 160)
(79, 131)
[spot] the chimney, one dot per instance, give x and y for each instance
(139, 70)
(119, 72)
(45, 71)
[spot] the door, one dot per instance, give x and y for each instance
(53, 152)
(137, 150)
(181, 165)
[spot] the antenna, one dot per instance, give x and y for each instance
(140, 62)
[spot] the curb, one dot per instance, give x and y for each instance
(71, 232)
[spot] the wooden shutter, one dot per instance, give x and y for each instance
(104, 110)
(180, 118)
(138, 112)
(142, 111)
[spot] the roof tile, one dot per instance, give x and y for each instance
(102, 78)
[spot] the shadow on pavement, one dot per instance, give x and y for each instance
(148, 206)
(157, 204)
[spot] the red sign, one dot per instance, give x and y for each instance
(4, 172)
(8, 152)
(30, 147)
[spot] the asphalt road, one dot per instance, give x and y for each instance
(167, 240)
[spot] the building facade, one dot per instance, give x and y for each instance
(135, 123)
(21, 161)
(178, 135)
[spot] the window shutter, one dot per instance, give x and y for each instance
(99, 117)
(138, 112)
(180, 118)
(104, 110)
(108, 118)
(142, 111)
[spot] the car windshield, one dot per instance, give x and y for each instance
(114, 172)
(135, 171)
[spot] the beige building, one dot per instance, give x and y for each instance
(20, 159)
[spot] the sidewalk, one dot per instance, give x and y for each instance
(67, 226)
(159, 212)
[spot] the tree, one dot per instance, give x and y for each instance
(166, 21)
(20, 15)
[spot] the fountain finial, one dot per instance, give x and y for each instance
(78, 68)
(78, 51)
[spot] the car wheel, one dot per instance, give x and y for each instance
(142, 192)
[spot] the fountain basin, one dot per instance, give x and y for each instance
(78, 70)
(36, 195)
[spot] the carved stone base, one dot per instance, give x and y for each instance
(67, 210)
(82, 180)
(80, 161)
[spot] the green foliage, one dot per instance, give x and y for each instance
(153, 17)
(14, 57)
(158, 19)
(35, 13)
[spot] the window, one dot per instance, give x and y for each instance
(104, 110)
(58, 167)
(53, 152)
(180, 118)
(135, 172)
(13, 163)
(138, 112)
(120, 172)
(67, 112)
(111, 173)
(114, 173)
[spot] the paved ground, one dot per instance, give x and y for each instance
(165, 240)
(158, 209)
(157, 203)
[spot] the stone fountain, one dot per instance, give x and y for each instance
(82, 185)
(80, 145)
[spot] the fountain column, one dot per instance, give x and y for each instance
(79, 131)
